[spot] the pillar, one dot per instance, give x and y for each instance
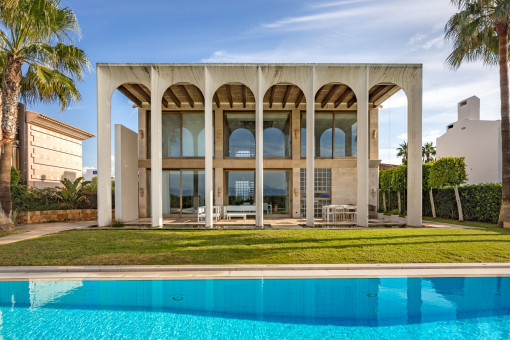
(209, 92)
(126, 174)
(104, 151)
(310, 151)
(142, 155)
(156, 152)
(259, 151)
(362, 150)
(414, 167)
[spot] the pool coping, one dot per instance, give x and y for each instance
(278, 271)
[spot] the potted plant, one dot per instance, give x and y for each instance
(394, 215)
(275, 208)
(380, 213)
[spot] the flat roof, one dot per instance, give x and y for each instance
(264, 64)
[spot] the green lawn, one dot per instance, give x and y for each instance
(96, 247)
(465, 223)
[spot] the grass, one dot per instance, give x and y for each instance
(109, 247)
(7, 233)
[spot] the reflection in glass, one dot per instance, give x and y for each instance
(345, 135)
(323, 135)
(276, 192)
(193, 191)
(303, 135)
(171, 192)
(239, 135)
(276, 135)
(193, 135)
(241, 187)
(171, 134)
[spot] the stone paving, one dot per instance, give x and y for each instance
(197, 272)
(35, 230)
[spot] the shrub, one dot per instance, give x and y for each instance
(395, 212)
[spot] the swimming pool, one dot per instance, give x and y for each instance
(446, 308)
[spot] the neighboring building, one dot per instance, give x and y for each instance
(89, 174)
(285, 138)
(479, 141)
(48, 150)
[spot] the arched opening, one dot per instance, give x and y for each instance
(335, 110)
(283, 104)
(128, 104)
(388, 116)
(242, 143)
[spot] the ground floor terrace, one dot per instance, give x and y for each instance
(251, 142)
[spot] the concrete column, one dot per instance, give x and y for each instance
(104, 151)
(126, 174)
(362, 149)
(156, 152)
(374, 135)
(142, 172)
(218, 135)
(259, 151)
(296, 134)
(310, 153)
(414, 167)
(209, 92)
(296, 193)
(218, 184)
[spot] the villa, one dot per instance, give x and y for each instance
(276, 139)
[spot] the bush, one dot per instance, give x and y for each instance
(479, 202)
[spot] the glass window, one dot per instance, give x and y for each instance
(193, 143)
(276, 135)
(171, 192)
(303, 135)
(276, 192)
(241, 187)
(324, 135)
(336, 135)
(171, 134)
(193, 191)
(345, 135)
(239, 135)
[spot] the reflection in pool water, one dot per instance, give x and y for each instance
(313, 308)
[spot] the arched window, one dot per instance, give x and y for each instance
(274, 143)
(241, 143)
(339, 143)
(326, 143)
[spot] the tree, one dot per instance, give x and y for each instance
(34, 39)
(399, 183)
(479, 32)
(402, 152)
(428, 151)
(385, 185)
(426, 185)
(449, 172)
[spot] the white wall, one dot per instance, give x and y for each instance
(126, 174)
(479, 141)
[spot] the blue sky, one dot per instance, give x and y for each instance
(373, 31)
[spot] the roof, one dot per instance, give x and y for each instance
(54, 125)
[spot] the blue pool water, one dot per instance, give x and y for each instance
(394, 308)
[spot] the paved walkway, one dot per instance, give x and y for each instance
(35, 230)
(57, 273)
(440, 225)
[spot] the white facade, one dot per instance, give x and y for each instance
(89, 174)
(478, 141)
(259, 78)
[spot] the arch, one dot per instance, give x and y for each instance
(242, 143)
(233, 94)
(284, 96)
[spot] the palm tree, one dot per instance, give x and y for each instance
(428, 151)
(479, 31)
(36, 40)
(402, 152)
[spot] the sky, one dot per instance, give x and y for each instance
(344, 31)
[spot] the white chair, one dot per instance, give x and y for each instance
(351, 212)
(201, 213)
(268, 208)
